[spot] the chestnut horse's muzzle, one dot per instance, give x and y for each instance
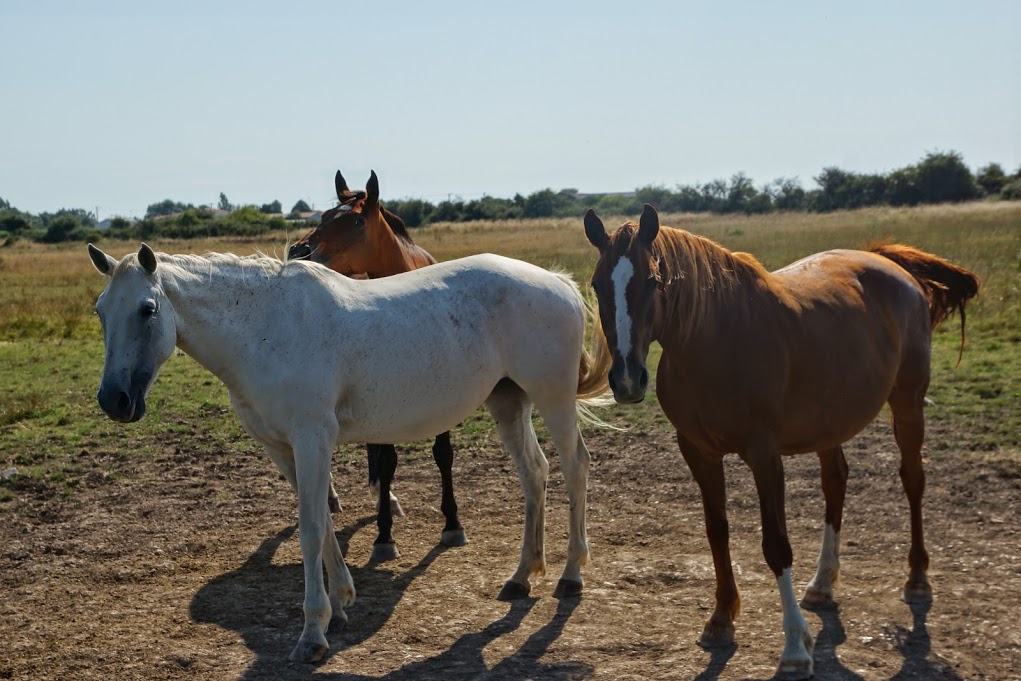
(628, 381)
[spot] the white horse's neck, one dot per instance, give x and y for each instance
(216, 298)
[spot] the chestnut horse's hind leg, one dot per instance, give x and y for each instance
(707, 469)
(385, 548)
(443, 455)
(909, 430)
(834, 486)
(767, 469)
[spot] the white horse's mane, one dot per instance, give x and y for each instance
(268, 265)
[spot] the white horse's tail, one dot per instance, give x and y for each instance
(594, 369)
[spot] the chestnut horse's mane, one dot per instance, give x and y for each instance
(696, 275)
(395, 222)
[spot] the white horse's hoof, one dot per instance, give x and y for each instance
(334, 503)
(795, 670)
(454, 537)
(513, 591)
(337, 622)
(568, 588)
(308, 652)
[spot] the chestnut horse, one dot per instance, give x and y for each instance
(360, 237)
(770, 364)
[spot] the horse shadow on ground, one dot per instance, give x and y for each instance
(915, 645)
(262, 603)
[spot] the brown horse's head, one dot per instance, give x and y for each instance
(346, 236)
(626, 282)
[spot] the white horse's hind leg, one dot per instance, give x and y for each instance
(512, 411)
(341, 587)
(574, 462)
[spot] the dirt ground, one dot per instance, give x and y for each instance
(188, 567)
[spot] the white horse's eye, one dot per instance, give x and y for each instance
(148, 309)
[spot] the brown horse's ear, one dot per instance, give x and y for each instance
(102, 261)
(341, 185)
(372, 188)
(595, 231)
(648, 224)
(147, 259)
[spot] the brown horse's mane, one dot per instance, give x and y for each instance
(699, 277)
(396, 223)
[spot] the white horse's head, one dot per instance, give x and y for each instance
(139, 331)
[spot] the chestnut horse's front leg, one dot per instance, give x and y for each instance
(707, 469)
(767, 469)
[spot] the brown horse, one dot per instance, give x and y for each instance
(361, 238)
(770, 364)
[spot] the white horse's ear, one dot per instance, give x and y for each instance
(102, 261)
(595, 231)
(648, 224)
(147, 259)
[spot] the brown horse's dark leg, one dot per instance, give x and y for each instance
(384, 547)
(909, 430)
(834, 486)
(767, 469)
(707, 469)
(443, 455)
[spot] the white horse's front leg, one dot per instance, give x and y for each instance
(312, 467)
(575, 466)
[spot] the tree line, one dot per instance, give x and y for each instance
(939, 177)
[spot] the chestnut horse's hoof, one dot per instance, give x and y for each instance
(795, 670)
(381, 553)
(308, 652)
(513, 591)
(454, 537)
(817, 598)
(567, 588)
(917, 592)
(715, 636)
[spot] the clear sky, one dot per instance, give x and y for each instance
(117, 105)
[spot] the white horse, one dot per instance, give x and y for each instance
(312, 358)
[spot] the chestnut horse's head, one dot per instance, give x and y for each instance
(346, 236)
(626, 282)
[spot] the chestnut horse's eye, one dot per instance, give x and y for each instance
(359, 222)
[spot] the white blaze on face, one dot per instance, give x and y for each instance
(620, 277)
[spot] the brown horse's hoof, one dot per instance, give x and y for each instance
(715, 636)
(308, 652)
(454, 537)
(917, 592)
(567, 588)
(513, 591)
(334, 503)
(381, 553)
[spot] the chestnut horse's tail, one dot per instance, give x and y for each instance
(947, 287)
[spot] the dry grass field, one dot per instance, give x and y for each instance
(166, 549)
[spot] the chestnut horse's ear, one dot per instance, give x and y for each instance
(147, 259)
(341, 185)
(372, 188)
(102, 261)
(595, 231)
(648, 225)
